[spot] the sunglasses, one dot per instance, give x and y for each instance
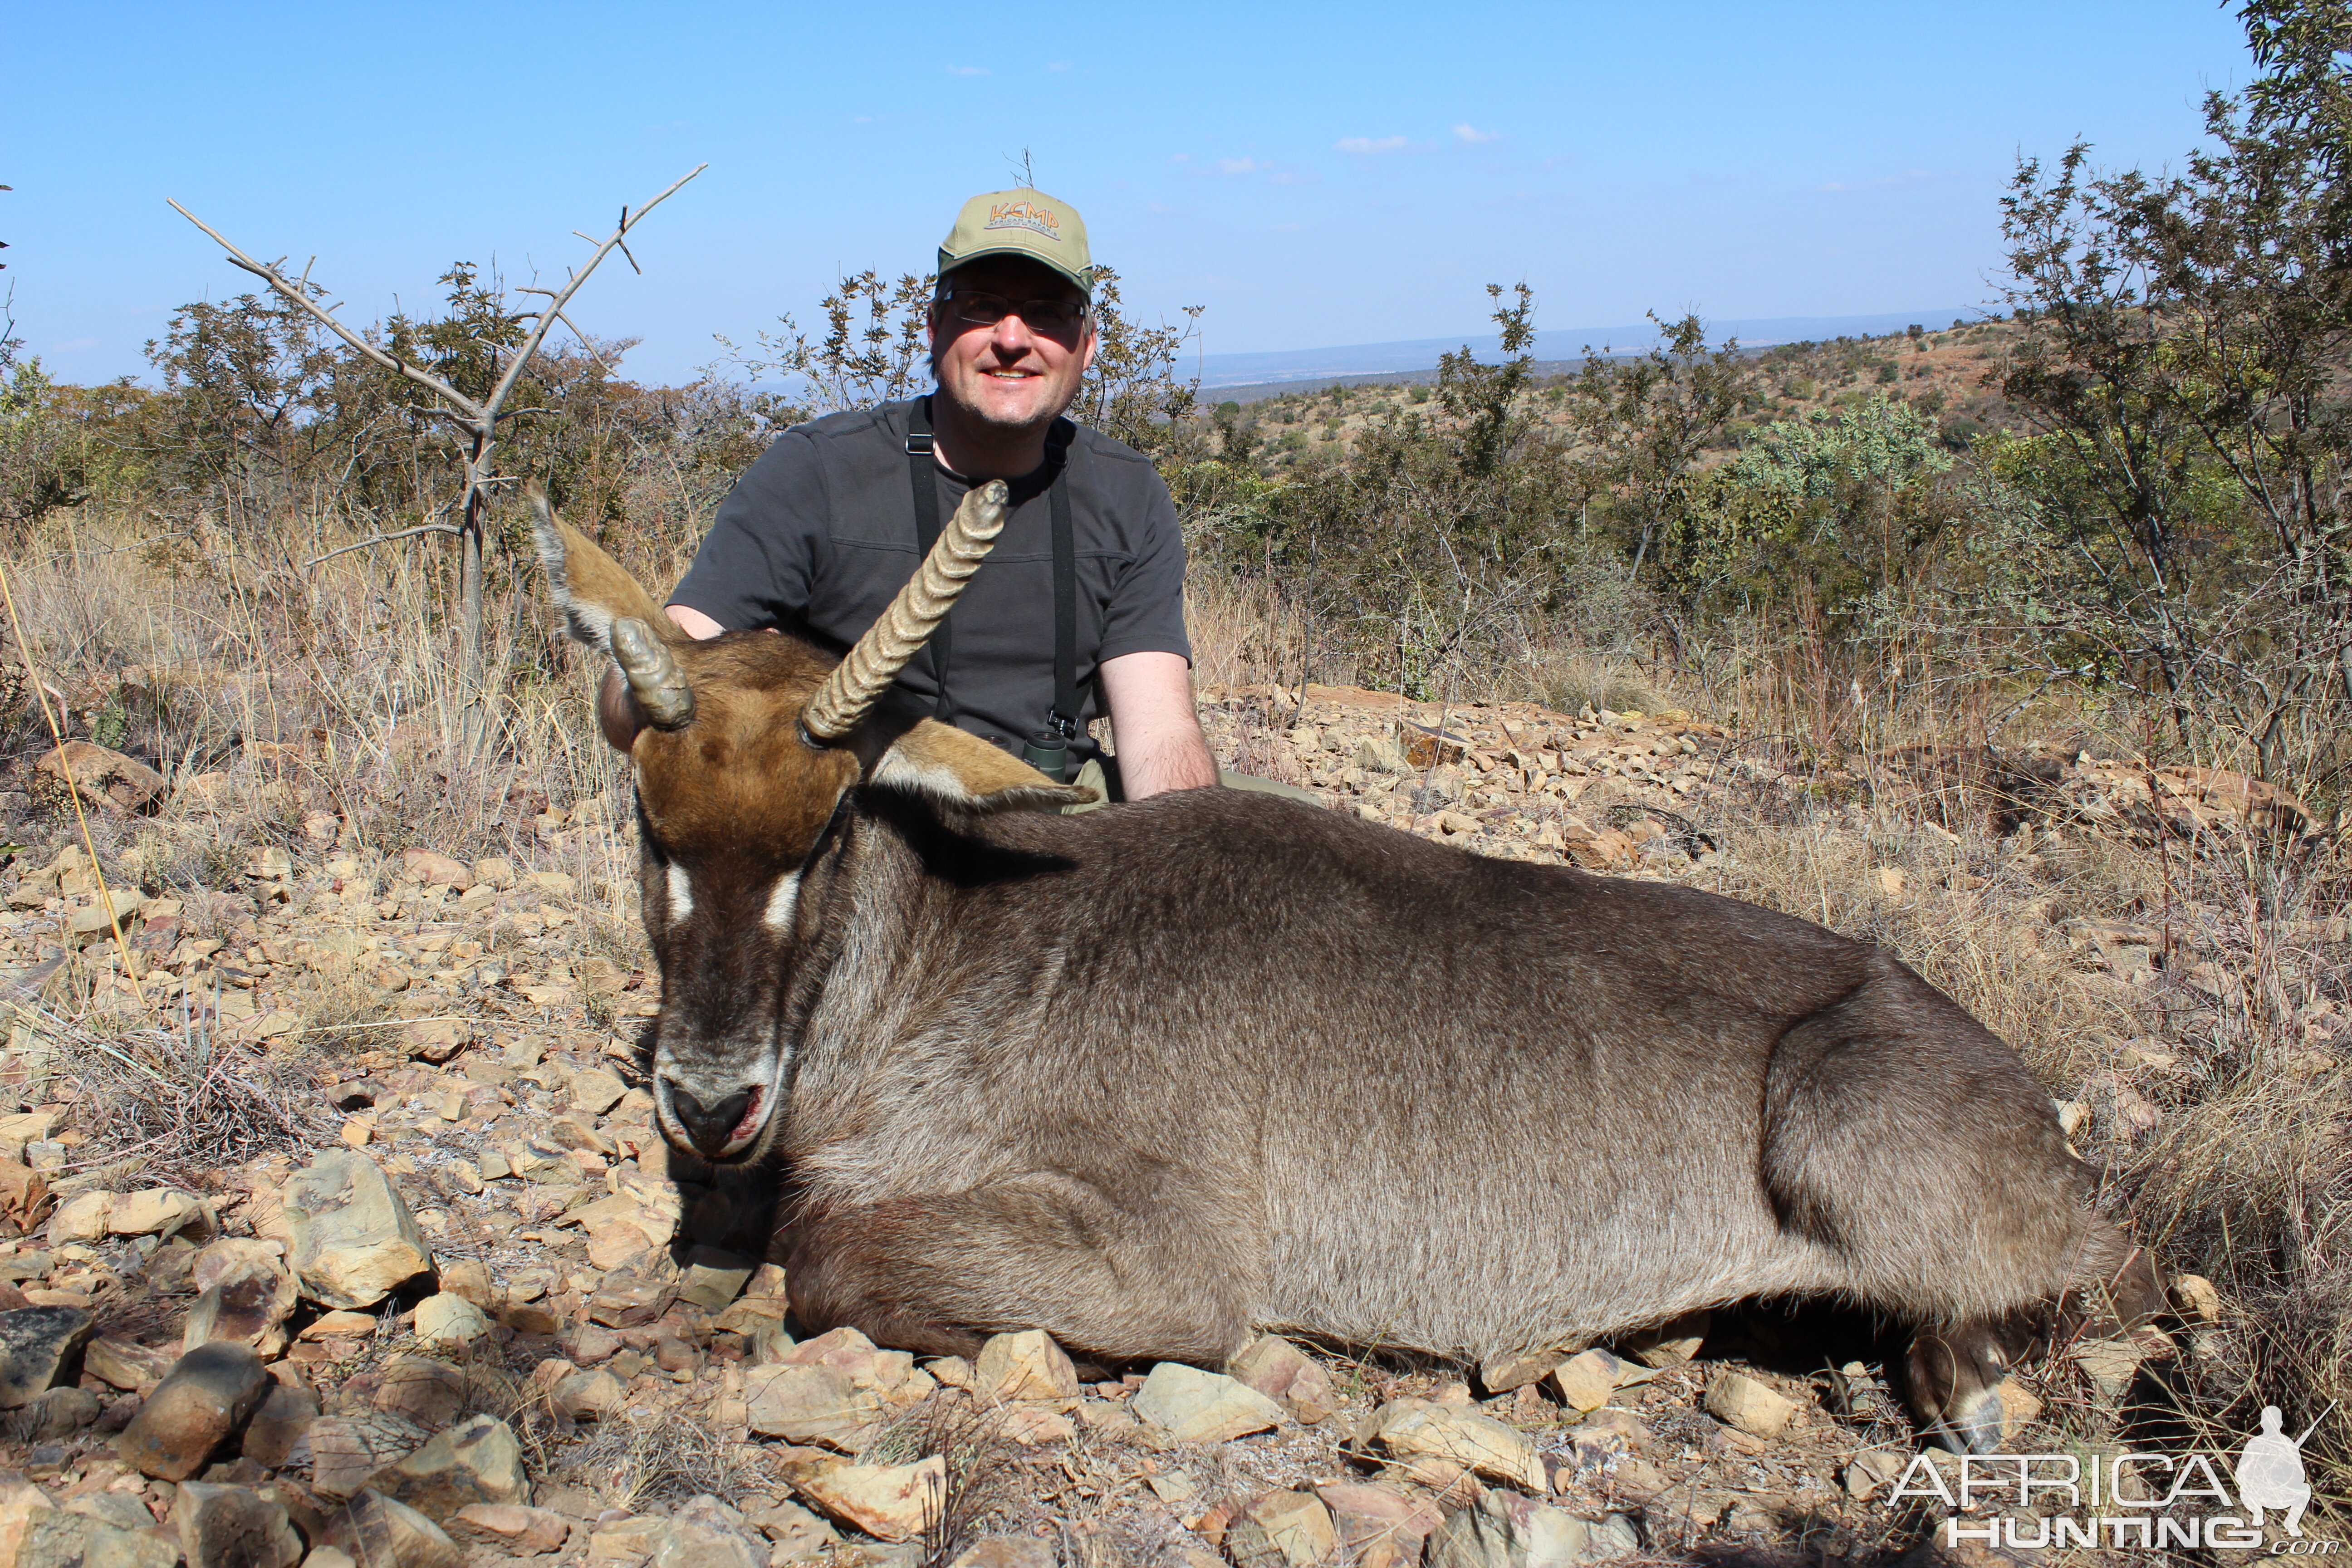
(983, 309)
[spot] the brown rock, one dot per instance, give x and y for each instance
(1280, 1370)
(592, 1395)
(104, 776)
(1586, 1379)
(345, 1450)
(1196, 1406)
(477, 1460)
(283, 1420)
(20, 1501)
(234, 1526)
(523, 1530)
(249, 1306)
(60, 1538)
(889, 1503)
(1379, 1526)
(1749, 1403)
(125, 1365)
(812, 1405)
(1672, 1343)
(427, 1391)
(208, 1394)
(434, 870)
(1459, 1435)
(1282, 1530)
(353, 1240)
(383, 1533)
(1502, 1374)
(1007, 1551)
(38, 1347)
(1026, 1365)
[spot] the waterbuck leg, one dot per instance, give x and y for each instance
(937, 1276)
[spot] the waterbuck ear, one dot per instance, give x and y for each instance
(589, 586)
(944, 763)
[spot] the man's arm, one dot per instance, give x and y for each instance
(1161, 746)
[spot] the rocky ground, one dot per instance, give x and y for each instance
(334, 1229)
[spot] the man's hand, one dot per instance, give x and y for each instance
(1161, 746)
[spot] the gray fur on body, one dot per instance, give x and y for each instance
(1153, 1076)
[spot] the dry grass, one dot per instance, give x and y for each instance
(333, 691)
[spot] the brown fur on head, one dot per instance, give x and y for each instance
(733, 799)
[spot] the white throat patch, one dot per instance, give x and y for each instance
(681, 892)
(782, 901)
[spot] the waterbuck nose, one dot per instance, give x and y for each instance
(713, 1128)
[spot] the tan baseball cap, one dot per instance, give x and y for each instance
(1020, 223)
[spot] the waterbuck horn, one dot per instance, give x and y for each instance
(653, 677)
(862, 677)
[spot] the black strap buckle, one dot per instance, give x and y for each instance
(918, 443)
(1061, 724)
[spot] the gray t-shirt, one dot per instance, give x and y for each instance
(819, 535)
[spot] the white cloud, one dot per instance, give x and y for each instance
(1370, 144)
(1291, 177)
(966, 70)
(1242, 166)
(1470, 135)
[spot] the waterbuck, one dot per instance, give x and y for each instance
(1155, 1077)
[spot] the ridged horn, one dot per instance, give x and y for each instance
(655, 680)
(860, 680)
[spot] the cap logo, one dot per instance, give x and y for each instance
(1024, 215)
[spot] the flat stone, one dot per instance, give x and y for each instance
(1586, 1379)
(208, 1394)
(1007, 1551)
(1026, 1365)
(714, 1277)
(1284, 1530)
(2110, 1364)
(1460, 1435)
(2196, 1300)
(104, 775)
(812, 1405)
(795, 1531)
(125, 1365)
(1516, 1369)
(1672, 1343)
(250, 1306)
(81, 1217)
(450, 1321)
(1508, 1530)
(1196, 1406)
(889, 1503)
(384, 1533)
(57, 1413)
(523, 1530)
(628, 1298)
(353, 1241)
(707, 1533)
(61, 1539)
(282, 1421)
(339, 1325)
(37, 1345)
(1379, 1526)
(20, 1502)
(1756, 1407)
(234, 1526)
(427, 1391)
(477, 1460)
(345, 1450)
(159, 1212)
(597, 1091)
(434, 870)
(1280, 1370)
(1874, 1469)
(594, 1396)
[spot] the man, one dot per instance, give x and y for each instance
(826, 526)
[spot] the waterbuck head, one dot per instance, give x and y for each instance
(742, 749)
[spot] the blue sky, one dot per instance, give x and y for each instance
(1311, 174)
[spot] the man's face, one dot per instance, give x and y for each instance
(1017, 373)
